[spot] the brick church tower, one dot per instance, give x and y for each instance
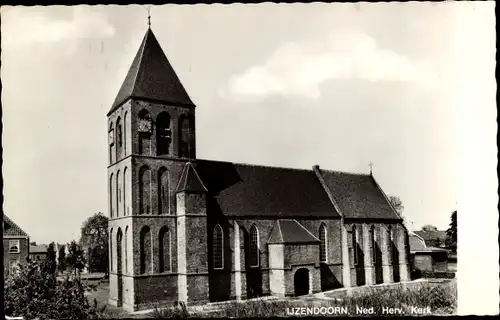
(157, 203)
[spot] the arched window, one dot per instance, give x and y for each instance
(125, 244)
(111, 140)
(125, 119)
(111, 249)
(163, 191)
(125, 192)
(218, 254)
(145, 190)
(111, 196)
(145, 130)
(163, 133)
(118, 193)
(184, 130)
(164, 252)
(355, 251)
(119, 138)
(373, 244)
(119, 251)
(145, 250)
(389, 243)
(254, 247)
(323, 245)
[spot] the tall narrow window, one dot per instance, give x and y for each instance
(145, 132)
(119, 257)
(125, 191)
(184, 130)
(164, 252)
(254, 246)
(125, 119)
(163, 134)
(323, 245)
(163, 191)
(218, 255)
(355, 245)
(119, 138)
(118, 193)
(145, 250)
(373, 244)
(125, 251)
(111, 249)
(145, 190)
(389, 243)
(111, 196)
(111, 141)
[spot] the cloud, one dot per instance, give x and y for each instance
(299, 69)
(26, 26)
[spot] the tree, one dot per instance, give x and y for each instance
(51, 257)
(61, 260)
(451, 233)
(94, 237)
(397, 204)
(76, 257)
(35, 293)
(429, 227)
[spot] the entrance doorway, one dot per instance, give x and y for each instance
(301, 282)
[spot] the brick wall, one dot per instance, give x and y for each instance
(19, 257)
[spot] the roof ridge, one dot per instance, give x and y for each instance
(14, 226)
(389, 202)
(327, 190)
(143, 46)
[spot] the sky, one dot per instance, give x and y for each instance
(294, 85)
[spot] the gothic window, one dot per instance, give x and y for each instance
(118, 193)
(218, 254)
(14, 246)
(111, 139)
(163, 191)
(119, 251)
(111, 249)
(145, 190)
(355, 245)
(111, 213)
(119, 138)
(125, 191)
(145, 250)
(163, 133)
(125, 250)
(254, 246)
(145, 130)
(323, 245)
(184, 136)
(125, 119)
(164, 252)
(373, 243)
(389, 243)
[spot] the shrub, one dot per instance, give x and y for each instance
(34, 292)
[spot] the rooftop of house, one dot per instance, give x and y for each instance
(11, 229)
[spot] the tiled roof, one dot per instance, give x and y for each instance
(289, 231)
(251, 190)
(358, 195)
(417, 244)
(14, 229)
(432, 235)
(42, 248)
(151, 76)
(190, 181)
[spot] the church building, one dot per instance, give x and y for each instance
(195, 230)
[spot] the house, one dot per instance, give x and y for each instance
(195, 230)
(433, 237)
(425, 258)
(15, 246)
(38, 252)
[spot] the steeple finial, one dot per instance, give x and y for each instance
(149, 16)
(371, 167)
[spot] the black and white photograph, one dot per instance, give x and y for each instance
(249, 160)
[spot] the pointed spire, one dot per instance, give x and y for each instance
(152, 77)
